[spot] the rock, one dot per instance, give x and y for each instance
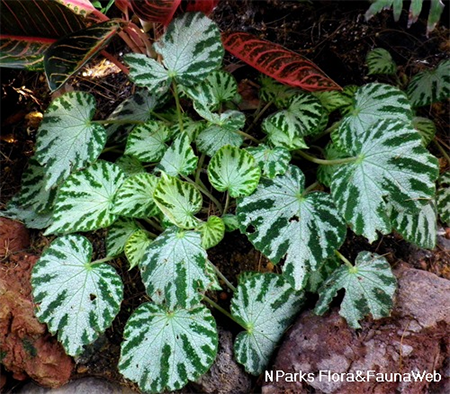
(226, 376)
(416, 338)
(80, 386)
(13, 237)
(28, 349)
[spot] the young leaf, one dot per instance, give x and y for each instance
(392, 166)
(178, 200)
(74, 297)
(67, 140)
(118, 234)
(136, 246)
(235, 170)
(281, 221)
(71, 52)
(147, 142)
(85, 200)
(266, 305)
(373, 103)
(272, 161)
(430, 86)
(418, 228)
(369, 288)
(231, 222)
(179, 158)
(379, 61)
(164, 349)
(212, 231)
(443, 198)
(426, 129)
(175, 269)
(277, 62)
(134, 198)
(191, 49)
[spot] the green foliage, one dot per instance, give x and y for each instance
(180, 182)
(379, 61)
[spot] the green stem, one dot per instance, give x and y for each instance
(310, 187)
(329, 130)
(199, 167)
(344, 259)
(160, 117)
(220, 309)
(177, 101)
(205, 191)
(227, 203)
(103, 260)
(154, 225)
(442, 150)
(258, 116)
(248, 136)
(326, 162)
(222, 276)
(114, 148)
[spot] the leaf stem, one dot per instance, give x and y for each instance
(227, 203)
(442, 150)
(177, 102)
(220, 309)
(258, 116)
(113, 60)
(248, 136)
(201, 187)
(154, 225)
(201, 160)
(329, 130)
(222, 276)
(326, 162)
(103, 260)
(344, 259)
(310, 188)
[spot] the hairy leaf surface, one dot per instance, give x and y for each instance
(266, 305)
(77, 299)
(281, 221)
(369, 288)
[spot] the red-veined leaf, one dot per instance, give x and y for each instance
(278, 62)
(205, 6)
(160, 11)
(80, 7)
(70, 53)
(122, 5)
(29, 27)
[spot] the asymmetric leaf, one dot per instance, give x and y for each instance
(277, 62)
(77, 299)
(118, 234)
(136, 247)
(134, 198)
(175, 269)
(281, 221)
(85, 200)
(369, 288)
(272, 161)
(179, 158)
(392, 166)
(179, 201)
(235, 170)
(379, 61)
(266, 305)
(430, 86)
(164, 349)
(67, 140)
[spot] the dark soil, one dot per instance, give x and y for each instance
(333, 34)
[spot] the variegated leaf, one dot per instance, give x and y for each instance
(137, 107)
(392, 165)
(179, 158)
(430, 86)
(419, 227)
(323, 271)
(272, 161)
(164, 349)
(178, 200)
(33, 192)
(266, 305)
(325, 172)
(231, 222)
(369, 288)
(281, 221)
(373, 103)
(175, 269)
(147, 142)
(443, 198)
(191, 49)
(273, 91)
(218, 87)
(26, 214)
(191, 127)
(134, 198)
(130, 165)
(77, 299)
(136, 246)
(67, 140)
(234, 170)
(281, 134)
(426, 129)
(332, 100)
(85, 200)
(379, 61)
(212, 231)
(118, 234)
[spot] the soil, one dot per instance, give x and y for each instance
(332, 34)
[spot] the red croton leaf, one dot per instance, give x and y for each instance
(278, 62)
(205, 6)
(160, 11)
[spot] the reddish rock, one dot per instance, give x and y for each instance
(416, 338)
(13, 237)
(28, 349)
